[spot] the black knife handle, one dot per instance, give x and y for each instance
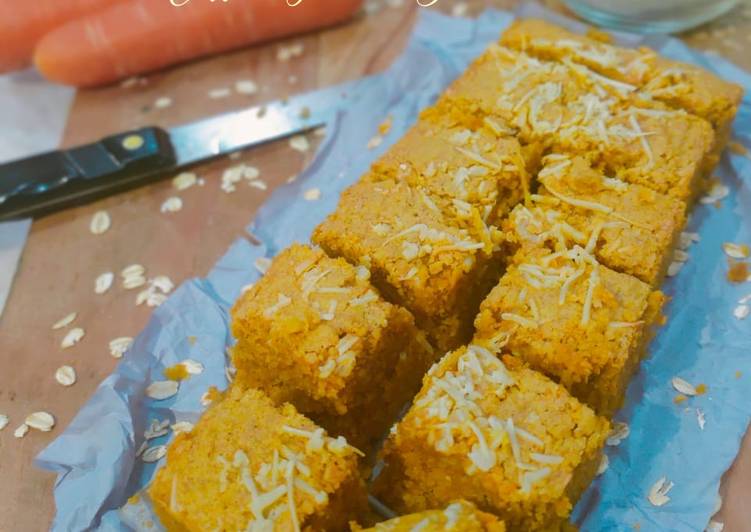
(51, 180)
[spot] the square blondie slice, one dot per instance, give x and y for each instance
(630, 228)
(314, 332)
(460, 516)
(501, 435)
(570, 109)
(650, 75)
(421, 258)
(468, 167)
(250, 465)
(571, 318)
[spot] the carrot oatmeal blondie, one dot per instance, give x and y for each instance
(315, 333)
(647, 74)
(571, 109)
(429, 261)
(249, 465)
(500, 435)
(572, 319)
(460, 516)
(632, 229)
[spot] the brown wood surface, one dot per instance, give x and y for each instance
(62, 258)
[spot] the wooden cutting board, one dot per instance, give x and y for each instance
(62, 258)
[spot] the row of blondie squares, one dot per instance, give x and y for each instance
(522, 226)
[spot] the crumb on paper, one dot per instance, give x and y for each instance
(737, 148)
(375, 142)
(738, 272)
(741, 312)
(736, 251)
(717, 191)
(700, 418)
(262, 264)
(619, 433)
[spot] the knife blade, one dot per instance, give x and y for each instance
(50, 181)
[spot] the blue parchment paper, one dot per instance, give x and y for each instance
(95, 457)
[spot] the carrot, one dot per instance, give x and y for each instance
(23, 23)
(140, 36)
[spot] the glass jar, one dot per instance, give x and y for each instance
(650, 16)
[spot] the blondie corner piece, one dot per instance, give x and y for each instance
(420, 257)
(314, 332)
(460, 516)
(650, 76)
(500, 435)
(630, 228)
(572, 319)
(250, 465)
(571, 109)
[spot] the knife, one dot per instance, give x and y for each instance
(50, 181)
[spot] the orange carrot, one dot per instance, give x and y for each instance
(140, 36)
(23, 23)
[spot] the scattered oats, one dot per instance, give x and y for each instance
(100, 222)
(375, 142)
(42, 421)
(154, 299)
(156, 429)
(160, 390)
(686, 239)
(143, 296)
(292, 79)
(658, 494)
(184, 180)
(64, 322)
(680, 256)
(700, 418)
(715, 526)
(219, 93)
(320, 131)
(741, 312)
(683, 387)
(717, 504)
(21, 431)
(206, 398)
(459, 9)
(103, 282)
(120, 345)
(193, 367)
(3, 421)
(745, 299)
(312, 194)
(154, 454)
(735, 251)
(134, 281)
(674, 268)
(246, 86)
(299, 143)
(132, 270)
(172, 204)
(285, 53)
(65, 375)
(163, 283)
(715, 194)
(72, 338)
(163, 102)
(604, 464)
(262, 264)
(181, 427)
(372, 7)
(129, 82)
(619, 433)
(259, 184)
